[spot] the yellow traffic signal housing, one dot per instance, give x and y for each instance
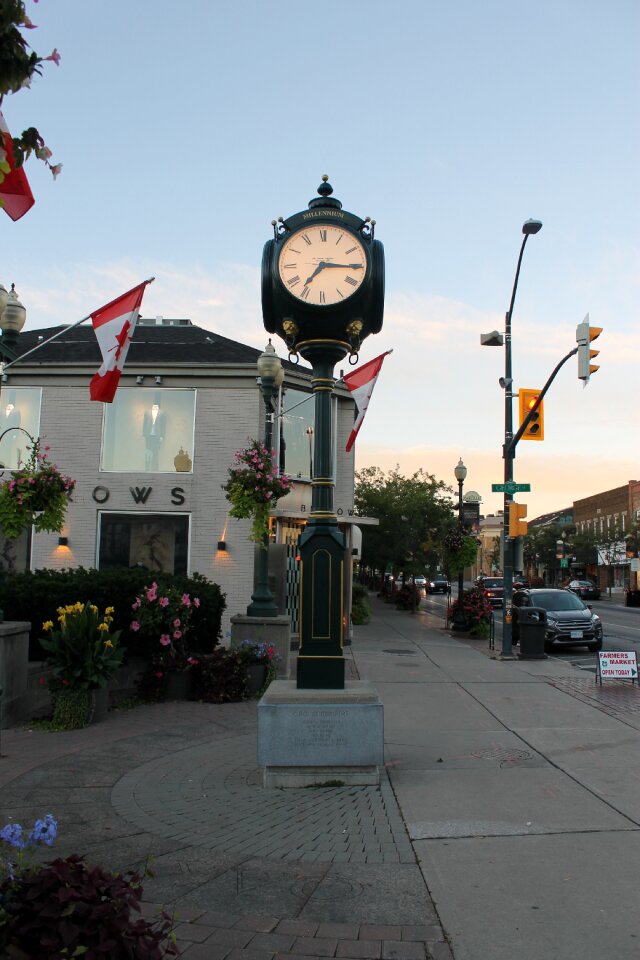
(527, 401)
(517, 526)
(584, 335)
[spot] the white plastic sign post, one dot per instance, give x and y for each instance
(617, 665)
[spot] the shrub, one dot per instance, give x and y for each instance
(69, 908)
(33, 595)
(477, 612)
(221, 677)
(360, 609)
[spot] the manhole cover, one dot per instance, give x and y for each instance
(402, 653)
(502, 755)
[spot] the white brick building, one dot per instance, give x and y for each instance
(149, 467)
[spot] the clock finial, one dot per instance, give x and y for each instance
(325, 199)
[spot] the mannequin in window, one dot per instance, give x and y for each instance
(153, 430)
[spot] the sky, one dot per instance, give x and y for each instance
(184, 130)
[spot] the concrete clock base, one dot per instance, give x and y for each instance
(316, 737)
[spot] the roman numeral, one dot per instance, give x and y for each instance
(289, 266)
(305, 293)
(354, 283)
(306, 239)
(340, 293)
(339, 239)
(321, 296)
(351, 249)
(293, 250)
(323, 236)
(293, 280)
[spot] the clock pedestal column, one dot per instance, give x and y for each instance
(322, 545)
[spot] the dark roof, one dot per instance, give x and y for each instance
(558, 516)
(162, 343)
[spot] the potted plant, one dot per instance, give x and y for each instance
(477, 612)
(82, 654)
(163, 618)
(36, 494)
(260, 661)
(253, 487)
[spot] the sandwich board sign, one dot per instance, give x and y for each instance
(617, 665)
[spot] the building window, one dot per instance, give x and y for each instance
(155, 542)
(19, 407)
(15, 555)
(149, 431)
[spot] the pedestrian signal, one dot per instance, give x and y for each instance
(517, 526)
(527, 401)
(584, 335)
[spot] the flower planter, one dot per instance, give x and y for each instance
(179, 685)
(256, 677)
(100, 704)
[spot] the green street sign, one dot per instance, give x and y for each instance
(511, 487)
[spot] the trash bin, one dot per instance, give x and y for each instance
(532, 630)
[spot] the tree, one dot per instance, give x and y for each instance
(18, 66)
(413, 514)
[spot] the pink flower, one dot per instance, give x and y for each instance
(196, 602)
(136, 605)
(55, 170)
(159, 674)
(177, 634)
(164, 601)
(186, 599)
(192, 661)
(165, 639)
(135, 626)
(55, 56)
(176, 622)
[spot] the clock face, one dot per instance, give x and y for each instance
(322, 264)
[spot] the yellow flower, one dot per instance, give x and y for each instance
(79, 607)
(108, 643)
(110, 610)
(47, 625)
(93, 608)
(62, 618)
(103, 627)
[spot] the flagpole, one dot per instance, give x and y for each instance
(71, 326)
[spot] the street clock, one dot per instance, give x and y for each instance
(323, 276)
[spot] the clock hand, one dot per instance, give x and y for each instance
(346, 266)
(317, 270)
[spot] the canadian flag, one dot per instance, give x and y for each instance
(15, 193)
(361, 383)
(114, 325)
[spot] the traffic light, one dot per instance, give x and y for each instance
(517, 526)
(535, 427)
(584, 335)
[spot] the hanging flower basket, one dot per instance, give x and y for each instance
(253, 487)
(36, 494)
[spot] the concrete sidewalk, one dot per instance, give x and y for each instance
(506, 823)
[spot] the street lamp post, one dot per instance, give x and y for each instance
(12, 320)
(528, 228)
(271, 375)
(459, 619)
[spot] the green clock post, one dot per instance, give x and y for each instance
(323, 293)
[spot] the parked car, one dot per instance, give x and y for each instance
(569, 621)
(584, 589)
(439, 584)
(493, 590)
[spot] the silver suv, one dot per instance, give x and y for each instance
(569, 620)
